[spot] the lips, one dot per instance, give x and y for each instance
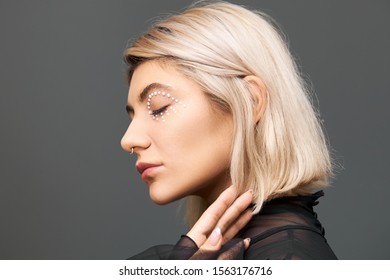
(146, 168)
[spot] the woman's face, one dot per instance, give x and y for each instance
(182, 142)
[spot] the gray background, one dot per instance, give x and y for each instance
(68, 191)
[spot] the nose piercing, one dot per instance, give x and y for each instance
(132, 150)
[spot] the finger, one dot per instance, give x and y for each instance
(235, 210)
(214, 241)
(208, 221)
(235, 250)
(215, 211)
(209, 249)
(247, 242)
(235, 227)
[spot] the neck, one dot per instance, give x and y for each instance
(213, 189)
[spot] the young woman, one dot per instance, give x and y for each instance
(221, 115)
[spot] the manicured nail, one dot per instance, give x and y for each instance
(247, 242)
(215, 236)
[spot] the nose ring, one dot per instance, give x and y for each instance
(132, 150)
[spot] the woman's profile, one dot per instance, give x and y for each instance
(220, 115)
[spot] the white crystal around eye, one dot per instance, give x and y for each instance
(168, 95)
(163, 93)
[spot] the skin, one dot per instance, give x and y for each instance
(191, 146)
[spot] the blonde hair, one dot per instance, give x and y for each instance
(217, 45)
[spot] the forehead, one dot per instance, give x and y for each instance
(154, 72)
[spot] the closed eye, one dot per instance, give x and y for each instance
(158, 112)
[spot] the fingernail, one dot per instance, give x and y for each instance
(250, 191)
(215, 236)
(247, 242)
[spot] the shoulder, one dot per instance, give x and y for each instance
(288, 228)
(291, 243)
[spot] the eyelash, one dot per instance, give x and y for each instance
(156, 113)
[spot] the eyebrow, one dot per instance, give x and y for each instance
(145, 92)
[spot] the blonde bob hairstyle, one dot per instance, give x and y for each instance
(217, 45)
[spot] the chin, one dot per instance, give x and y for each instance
(162, 193)
(159, 200)
(160, 197)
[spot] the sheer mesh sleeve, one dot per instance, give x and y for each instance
(186, 249)
(291, 244)
(288, 228)
(285, 228)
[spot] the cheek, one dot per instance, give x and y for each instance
(198, 142)
(195, 148)
(191, 134)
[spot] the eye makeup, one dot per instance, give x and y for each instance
(163, 111)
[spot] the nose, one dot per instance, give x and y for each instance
(135, 137)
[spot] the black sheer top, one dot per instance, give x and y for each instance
(285, 228)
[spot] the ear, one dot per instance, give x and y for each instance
(259, 95)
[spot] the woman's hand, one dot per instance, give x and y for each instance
(222, 221)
